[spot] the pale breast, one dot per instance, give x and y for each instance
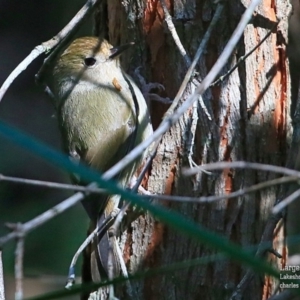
(98, 121)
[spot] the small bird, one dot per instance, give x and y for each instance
(102, 115)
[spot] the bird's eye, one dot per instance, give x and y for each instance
(89, 61)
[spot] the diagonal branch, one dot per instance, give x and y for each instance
(67, 31)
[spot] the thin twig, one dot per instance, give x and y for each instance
(97, 231)
(285, 202)
(19, 269)
(171, 120)
(36, 52)
(119, 218)
(243, 165)
(276, 253)
(243, 58)
(71, 276)
(198, 55)
(204, 108)
(144, 170)
(43, 218)
(66, 34)
(69, 202)
(19, 256)
(235, 194)
(174, 34)
(117, 222)
(124, 272)
(2, 289)
(95, 190)
(265, 244)
(110, 265)
(285, 295)
(55, 185)
(103, 228)
(70, 28)
(114, 229)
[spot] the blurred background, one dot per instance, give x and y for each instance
(48, 249)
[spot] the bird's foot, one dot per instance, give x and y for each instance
(151, 90)
(143, 191)
(114, 212)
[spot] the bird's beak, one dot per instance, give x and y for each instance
(116, 51)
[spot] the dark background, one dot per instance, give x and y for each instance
(48, 249)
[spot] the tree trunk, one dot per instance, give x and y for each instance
(248, 119)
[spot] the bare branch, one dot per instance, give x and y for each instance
(66, 34)
(174, 34)
(110, 265)
(2, 290)
(95, 190)
(113, 245)
(285, 295)
(235, 194)
(243, 165)
(100, 232)
(43, 218)
(285, 202)
(70, 28)
(71, 276)
(19, 256)
(119, 218)
(198, 54)
(55, 185)
(265, 244)
(61, 207)
(36, 52)
(124, 272)
(276, 253)
(117, 223)
(243, 58)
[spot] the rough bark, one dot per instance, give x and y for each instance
(292, 225)
(249, 121)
